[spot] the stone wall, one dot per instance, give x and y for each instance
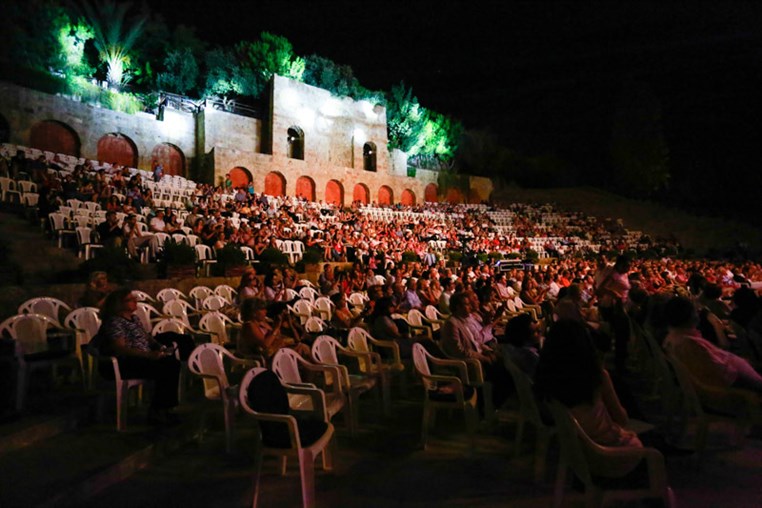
(334, 132)
(23, 108)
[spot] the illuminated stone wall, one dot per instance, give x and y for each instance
(334, 133)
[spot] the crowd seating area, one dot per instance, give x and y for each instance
(345, 360)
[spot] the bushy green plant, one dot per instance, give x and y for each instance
(482, 257)
(532, 255)
(271, 257)
(180, 72)
(231, 255)
(312, 255)
(178, 253)
(123, 102)
(455, 256)
(496, 256)
(513, 255)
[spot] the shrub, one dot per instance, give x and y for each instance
(532, 255)
(410, 257)
(455, 256)
(119, 266)
(312, 255)
(495, 256)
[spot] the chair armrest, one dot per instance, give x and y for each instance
(390, 344)
(460, 365)
(288, 420)
(317, 397)
(425, 329)
(475, 372)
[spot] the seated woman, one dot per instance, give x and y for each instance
(139, 355)
(261, 335)
(570, 371)
(249, 286)
(383, 327)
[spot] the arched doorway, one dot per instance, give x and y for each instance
(305, 188)
(334, 193)
(430, 193)
(240, 176)
(407, 198)
(56, 137)
(5, 130)
(118, 149)
(170, 157)
(361, 193)
(369, 156)
(454, 195)
(295, 143)
(385, 195)
(275, 184)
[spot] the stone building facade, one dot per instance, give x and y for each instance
(309, 143)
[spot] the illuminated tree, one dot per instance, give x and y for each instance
(115, 36)
(405, 118)
(225, 76)
(181, 72)
(271, 54)
(328, 75)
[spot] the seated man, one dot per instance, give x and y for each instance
(157, 224)
(136, 239)
(109, 231)
(705, 361)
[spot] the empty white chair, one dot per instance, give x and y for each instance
(217, 324)
(309, 293)
(148, 315)
(225, 291)
(204, 257)
(214, 303)
(85, 322)
(302, 309)
(47, 306)
(315, 324)
(325, 307)
(198, 294)
(168, 294)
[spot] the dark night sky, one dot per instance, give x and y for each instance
(544, 76)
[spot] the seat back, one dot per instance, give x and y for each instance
(192, 240)
(415, 318)
(262, 393)
(433, 313)
(143, 296)
(303, 309)
(308, 293)
(29, 330)
(169, 325)
(527, 402)
(291, 294)
(168, 294)
(324, 350)
(325, 306)
(358, 340)
(286, 366)
(198, 293)
(85, 319)
(226, 292)
(206, 360)
(357, 299)
(215, 323)
(203, 252)
(314, 324)
(214, 302)
(421, 364)
(144, 311)
(178, 309)
(518, 302)
(45, 305)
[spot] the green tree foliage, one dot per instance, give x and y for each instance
(328, 75)
(270, 54)
(405, 118)
(180, 72)
(226, 77)
(639, 152)
(30, 30)
(481, 153)
(69, 57)
(115, 36)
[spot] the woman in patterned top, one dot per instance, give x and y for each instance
(140, 356)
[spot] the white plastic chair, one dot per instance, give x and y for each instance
(315, 324)
(216, 324)
(302, 309)
(142, 296)
(170, 325)
(227, 292)
(444, 392)
(304, 396)
(328, 351)
(363, 342)
(198, 294)
(47, 306)
(591, 462)
(85, 322)
(148, 315)
(168, 294)
(435, 317)
(325, 307)
(181, 310)
(306, 453)
(418, 324)
(206, 362)
(309, 293)
(214, 302)
(204, 256)
(85, 242)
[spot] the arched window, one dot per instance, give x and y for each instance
(275, 184)
(240, 176)
(295, 143)
(118, 149)
(369, 156)
(361, 193)
(170, 157)
(407, 198)
(334, 193)
(54, 136)
(305, 188)
(385, 195)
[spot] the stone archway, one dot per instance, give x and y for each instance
(240, 176)
(54, 136)
(305, 188)
(385, 195)
(430, 194)
(334, 193)
(454, 195)
(407, 198)
(361, 193)
(275, 184)
(170, 157)
(118, 149)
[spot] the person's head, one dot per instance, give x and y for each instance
(574, 292)
(569, 369)
(460, 304)
(339, 300)
(522, 330)
(712, 292)
(98, 279)
(681, 313)
(384, 306)
(118, 303)
(622, 264)
(253, 309)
